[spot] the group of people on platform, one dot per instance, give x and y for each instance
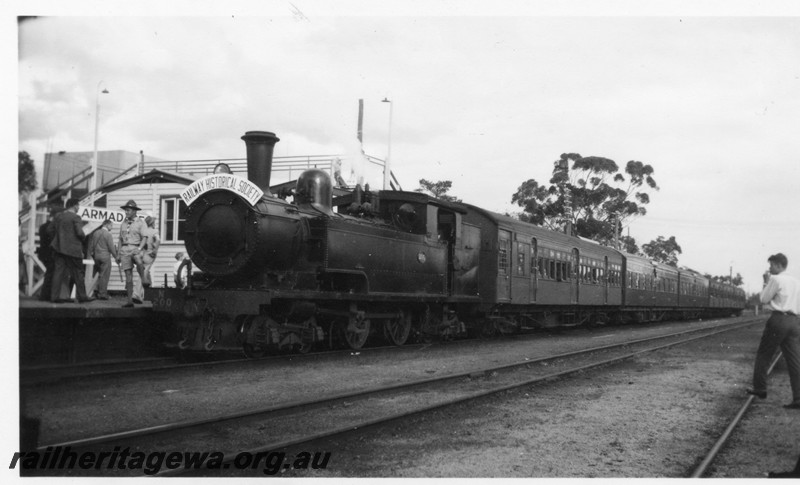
(63, 245)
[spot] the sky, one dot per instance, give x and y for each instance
(708, 93)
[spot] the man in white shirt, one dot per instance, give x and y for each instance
(782, 293)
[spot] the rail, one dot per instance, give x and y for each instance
(701, 469)
(683, 336)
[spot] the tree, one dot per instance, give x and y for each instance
(27, 174)
(590, 195)
(438, 189)
(736, 281)
(663, 250)
(628, 244)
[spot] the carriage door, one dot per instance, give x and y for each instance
(534, 268)
(503, 263)
(573, 268)
(605, 280)
(446, 233)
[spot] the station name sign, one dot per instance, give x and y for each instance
(232, 183)
(94, 216)
(100, 214)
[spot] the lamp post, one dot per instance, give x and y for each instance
(96, 128)
(387, 167)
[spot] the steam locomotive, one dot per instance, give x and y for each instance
(324, 271)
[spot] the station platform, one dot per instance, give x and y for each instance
(111, 308)
(72, 333)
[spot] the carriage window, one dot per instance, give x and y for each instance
(561, 271)
(520, 260)
(614, 275)
(503, 261)
(503, 248)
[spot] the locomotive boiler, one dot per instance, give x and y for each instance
(323, 270)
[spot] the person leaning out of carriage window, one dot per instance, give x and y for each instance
(782, 293)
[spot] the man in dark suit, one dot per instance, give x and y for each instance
(101, 249)
(67, 247)
(45, 253)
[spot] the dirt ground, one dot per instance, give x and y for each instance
(655, 416)
(127, 402)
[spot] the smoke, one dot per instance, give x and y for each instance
(354, 166)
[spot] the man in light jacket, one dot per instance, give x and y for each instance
(102, 249)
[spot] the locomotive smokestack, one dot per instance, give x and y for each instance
(260, 145)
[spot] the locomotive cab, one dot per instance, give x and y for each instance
(417, 213)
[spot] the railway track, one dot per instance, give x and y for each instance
(302, 422)
(34, 376)
(42, 375)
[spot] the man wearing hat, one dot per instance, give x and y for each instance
(131, 236)
(68, 254)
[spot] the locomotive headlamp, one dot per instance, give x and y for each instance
(222, 168)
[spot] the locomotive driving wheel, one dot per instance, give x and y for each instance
(254, 331)
(306, 337)
(356, 331)
(253, 351)
(396, 330)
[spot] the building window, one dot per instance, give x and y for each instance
(173, 219)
